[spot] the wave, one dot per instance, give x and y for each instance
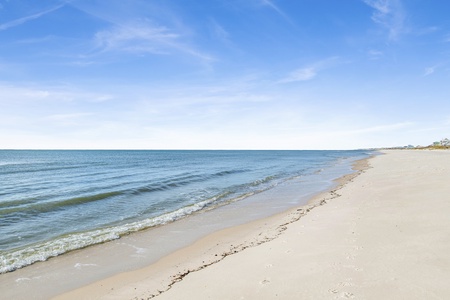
(15, 203)
(263, 180)
(43, 251)
(39, 170)
(37, 208)
(181, 181)
(30, 206)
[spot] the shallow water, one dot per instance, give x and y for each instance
(53, 202)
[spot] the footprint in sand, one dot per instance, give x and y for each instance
(345, 283)
(347, 295)
(350, 257)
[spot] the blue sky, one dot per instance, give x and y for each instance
(223, 74)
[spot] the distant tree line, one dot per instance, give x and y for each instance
(444, 143)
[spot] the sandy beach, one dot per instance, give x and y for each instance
(383, 234)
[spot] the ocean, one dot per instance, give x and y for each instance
(53, 202)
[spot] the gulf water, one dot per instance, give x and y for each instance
(53, 202)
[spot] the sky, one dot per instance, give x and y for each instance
(223, 74)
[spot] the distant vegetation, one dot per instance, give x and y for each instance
(442, 144)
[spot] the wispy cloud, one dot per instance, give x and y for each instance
(36, 40)
(136, 38)
(381, 128)
(23, 94)
(447, 38)
(144, 27)
(432, 69)
(309, 72)
(23, 20)
(144, 37)
(272, 5)
(427, 30)
(374, 54)
(429, 71)
(390, 15)
(302, 74)
(219, 32)
(68, 117)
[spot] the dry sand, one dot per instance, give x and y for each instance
(383, 235)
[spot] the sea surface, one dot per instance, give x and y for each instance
(53, 202)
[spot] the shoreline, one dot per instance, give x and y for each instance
(157, 278)
(382, 235)
(132, 252)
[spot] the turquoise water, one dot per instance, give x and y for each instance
(52, 202)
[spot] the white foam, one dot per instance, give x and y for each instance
(80, 265)
(41, 252)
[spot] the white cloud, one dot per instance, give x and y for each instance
(309, 72)
(39, 94)
(233, 115)
(432, 69)
(381, 128)
(375, 54)
(22, 94)
(143, 37)
(66, 117)
(140, 27)
(71, 120)
(23, 20)
(303, 74)
(429, 71)
(136, 38)
(427, 30)
(389, 14)
(219, 32)
(36, 40)
(272, 5)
